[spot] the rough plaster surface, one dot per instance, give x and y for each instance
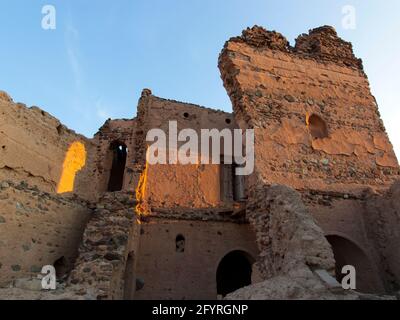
(33, 146)
(274, 88)
(304, 187)
(36, 229)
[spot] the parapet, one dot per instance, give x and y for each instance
(261, 38)
(321, 43)
(324, 43)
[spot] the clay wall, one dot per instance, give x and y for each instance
(34, 146)
(382, 219)
(344, 218)
(168, 274)
(38, 229)
(115, 131)
(277, 90)
(318, 130)
(192, 186)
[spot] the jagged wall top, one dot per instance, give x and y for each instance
(321, 43)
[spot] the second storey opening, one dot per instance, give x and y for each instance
(232, 186)
(120, 153)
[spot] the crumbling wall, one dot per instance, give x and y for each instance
(287, 235)
(342, 217)
(38, 229)
(317, 129)
(382, 220)
(276, 89)
(108, 240)
(295, 260)
(193, 185)
(115, 131)
(33, 147)
(190, 273)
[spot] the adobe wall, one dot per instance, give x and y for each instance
(275, 89)
(192, 186)
(37, 229)
(110, 241)
(344, 217)
(382, 220)
(121, 131)
(279, 91)
(168, 274)
(33, 147)
(195, 186)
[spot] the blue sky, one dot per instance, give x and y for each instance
(103, 53)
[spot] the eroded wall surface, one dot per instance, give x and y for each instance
(344, 218)
(317, 130)
(38, 229)
(34, 146)
(275, 88)
(382, 216)
(177, 185)
(121, 131)
(168, 274)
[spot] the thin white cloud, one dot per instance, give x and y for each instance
(102, 111)
(72, 46)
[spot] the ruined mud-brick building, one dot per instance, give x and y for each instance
(323, 193)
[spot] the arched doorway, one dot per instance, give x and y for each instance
(234, 272)
(116, 180)
(347, 252)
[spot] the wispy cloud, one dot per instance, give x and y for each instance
(72, 47)
(102, 111)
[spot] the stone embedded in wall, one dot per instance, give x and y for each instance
(100, 268)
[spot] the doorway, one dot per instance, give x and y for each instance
(119, 153)
(234, 272)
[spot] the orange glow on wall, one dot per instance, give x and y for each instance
(74, 161)
(141, 207)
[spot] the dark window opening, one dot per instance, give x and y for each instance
(61, 266)
(228, 121)
(60, 129)
(232, 185)
(234, 272)
(317, 127)
(186, 115)
(180, 243)
(120, 152)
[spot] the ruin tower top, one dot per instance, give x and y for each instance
(322, 43)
